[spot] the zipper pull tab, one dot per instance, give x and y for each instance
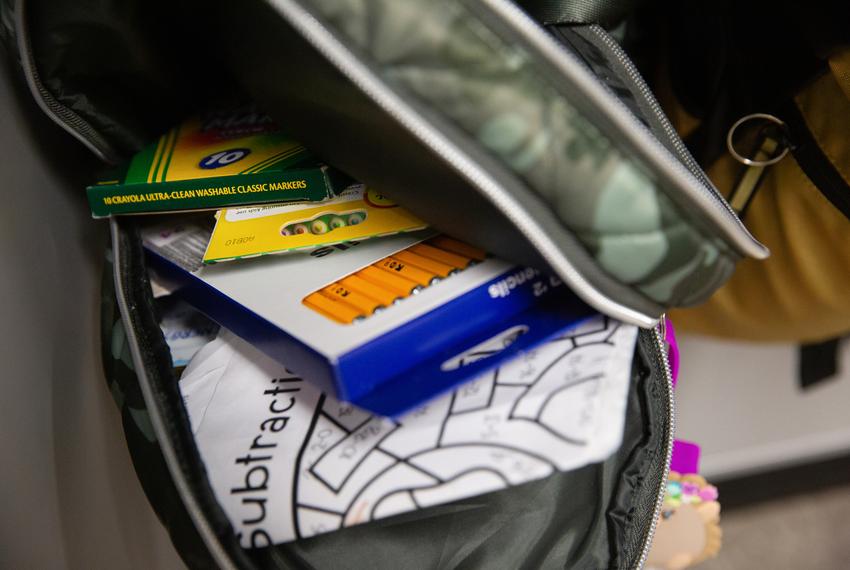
(770, 144)
(668, 335)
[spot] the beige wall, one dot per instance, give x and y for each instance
(743, 403)
(69, 496)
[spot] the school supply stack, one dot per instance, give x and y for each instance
(360, 297)
(385, 323)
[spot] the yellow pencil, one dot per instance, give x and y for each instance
(379, 294)
(398, 285)
(435, 267)
(459, 247)
(337, 311)
(399, 267)
(441, 255)
(364, 304)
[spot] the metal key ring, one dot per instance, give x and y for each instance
(749, 161)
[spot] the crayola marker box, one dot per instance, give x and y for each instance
(385, 324)
(216, 160)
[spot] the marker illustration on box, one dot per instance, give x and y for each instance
(323, 223)
(357, 213)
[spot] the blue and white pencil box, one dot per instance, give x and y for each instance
(392, 361)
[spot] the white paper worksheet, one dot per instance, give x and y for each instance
(286, 461)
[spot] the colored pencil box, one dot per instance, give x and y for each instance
(445, 317)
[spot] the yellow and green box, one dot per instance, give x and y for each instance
(213, 161)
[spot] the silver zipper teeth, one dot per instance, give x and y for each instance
(75, 125)
(216, 549)
(671, 410)
(349, 65)
(672, 135)
(652, 150)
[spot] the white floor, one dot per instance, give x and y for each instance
(807, 531)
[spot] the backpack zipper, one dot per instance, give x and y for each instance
(202, 525)
(617, 53)
(661, 348)
(651, 150)
(71, 122)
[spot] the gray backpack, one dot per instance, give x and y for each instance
(540, 144)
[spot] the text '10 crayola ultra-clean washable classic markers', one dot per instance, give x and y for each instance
(219, 159)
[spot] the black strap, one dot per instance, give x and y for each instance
(603, 12)
(818, 362)
(813, 161)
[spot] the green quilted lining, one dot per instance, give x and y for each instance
(493, 90)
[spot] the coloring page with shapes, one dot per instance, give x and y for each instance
(287, 462)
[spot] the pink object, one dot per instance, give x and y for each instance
(685, 454)
(685, 457)
(708, 493)
(673, 352)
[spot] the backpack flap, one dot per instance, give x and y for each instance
(468, 113)
(547, 167)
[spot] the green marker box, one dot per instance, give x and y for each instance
(213, 161)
